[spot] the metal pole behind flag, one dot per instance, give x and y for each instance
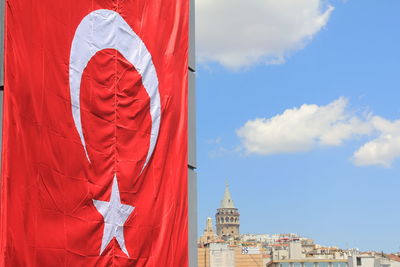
(192, 161)
(2, 4)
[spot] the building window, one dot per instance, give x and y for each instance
(358, 261)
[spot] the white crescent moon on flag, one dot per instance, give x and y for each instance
(106, 29)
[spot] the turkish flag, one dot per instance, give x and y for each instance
(95, 133)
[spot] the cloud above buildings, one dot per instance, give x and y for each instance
(310, 127)
(382, 150)
(240, 33)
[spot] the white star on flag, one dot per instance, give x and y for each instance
(114, 214)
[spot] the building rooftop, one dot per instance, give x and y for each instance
(394, 257)
(309, 260)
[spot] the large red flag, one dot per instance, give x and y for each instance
(95, 133)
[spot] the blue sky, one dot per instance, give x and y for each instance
(331, 171)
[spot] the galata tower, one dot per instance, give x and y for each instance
(227, 218)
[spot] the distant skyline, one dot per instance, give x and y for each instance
(298, 107)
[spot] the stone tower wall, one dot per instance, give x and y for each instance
(227, 223)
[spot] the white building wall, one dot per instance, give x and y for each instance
(295, 250)
(221, 255)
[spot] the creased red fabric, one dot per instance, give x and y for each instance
(48, 182)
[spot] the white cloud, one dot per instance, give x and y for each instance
(312, 126)
(239, 33)
(382, 150)
(302, 129)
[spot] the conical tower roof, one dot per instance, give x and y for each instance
(227, 202)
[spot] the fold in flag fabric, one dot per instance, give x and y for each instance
(94, 156)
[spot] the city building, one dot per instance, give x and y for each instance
(226, 255)
(228, 248)
(308, 262)
(372, 259)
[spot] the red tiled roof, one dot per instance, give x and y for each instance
(393, 257)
